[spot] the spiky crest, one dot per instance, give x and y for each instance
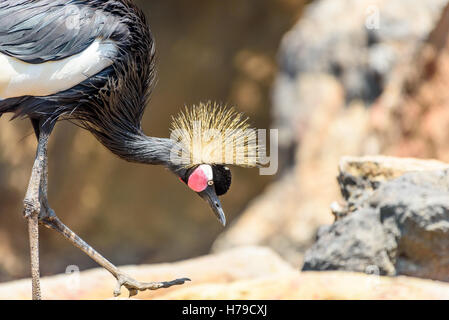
(214, 134)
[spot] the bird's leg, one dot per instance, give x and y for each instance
(48, 218)
(31, 212)
(132, 285)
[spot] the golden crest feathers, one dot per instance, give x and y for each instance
(214, 134)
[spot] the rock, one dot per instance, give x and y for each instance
(382, 168)
(414, 212)
(360, 175)
(354, 244)
(326, 105)
(392, 225)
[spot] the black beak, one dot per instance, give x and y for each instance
(211, 197)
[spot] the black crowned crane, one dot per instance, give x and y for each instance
(92, 62)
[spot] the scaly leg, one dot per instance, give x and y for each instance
(32, 209)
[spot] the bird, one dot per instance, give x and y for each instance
(93, 63)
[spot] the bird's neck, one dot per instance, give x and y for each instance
(140, 148)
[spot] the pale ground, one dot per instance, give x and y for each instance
(241, 273)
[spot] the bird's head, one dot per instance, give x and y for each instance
(209, 182)
(209, 138)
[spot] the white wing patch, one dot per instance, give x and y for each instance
(18, 78)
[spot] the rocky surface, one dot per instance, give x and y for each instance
(245, 273)
(396, 220)
(326, 112)
(360, 176)
(393, 219)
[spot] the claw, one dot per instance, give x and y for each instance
(177, 282)
(132, 292)
(134, 286)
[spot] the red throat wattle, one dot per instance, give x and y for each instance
(198, 180)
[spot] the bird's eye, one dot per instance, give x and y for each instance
(210, 182)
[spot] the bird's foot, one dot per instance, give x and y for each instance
(134, 286)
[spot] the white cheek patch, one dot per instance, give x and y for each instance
(207, 169)
(18, 78)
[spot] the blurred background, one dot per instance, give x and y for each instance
(216, 50)
(336, 78)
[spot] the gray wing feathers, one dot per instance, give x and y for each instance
(47, 30)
